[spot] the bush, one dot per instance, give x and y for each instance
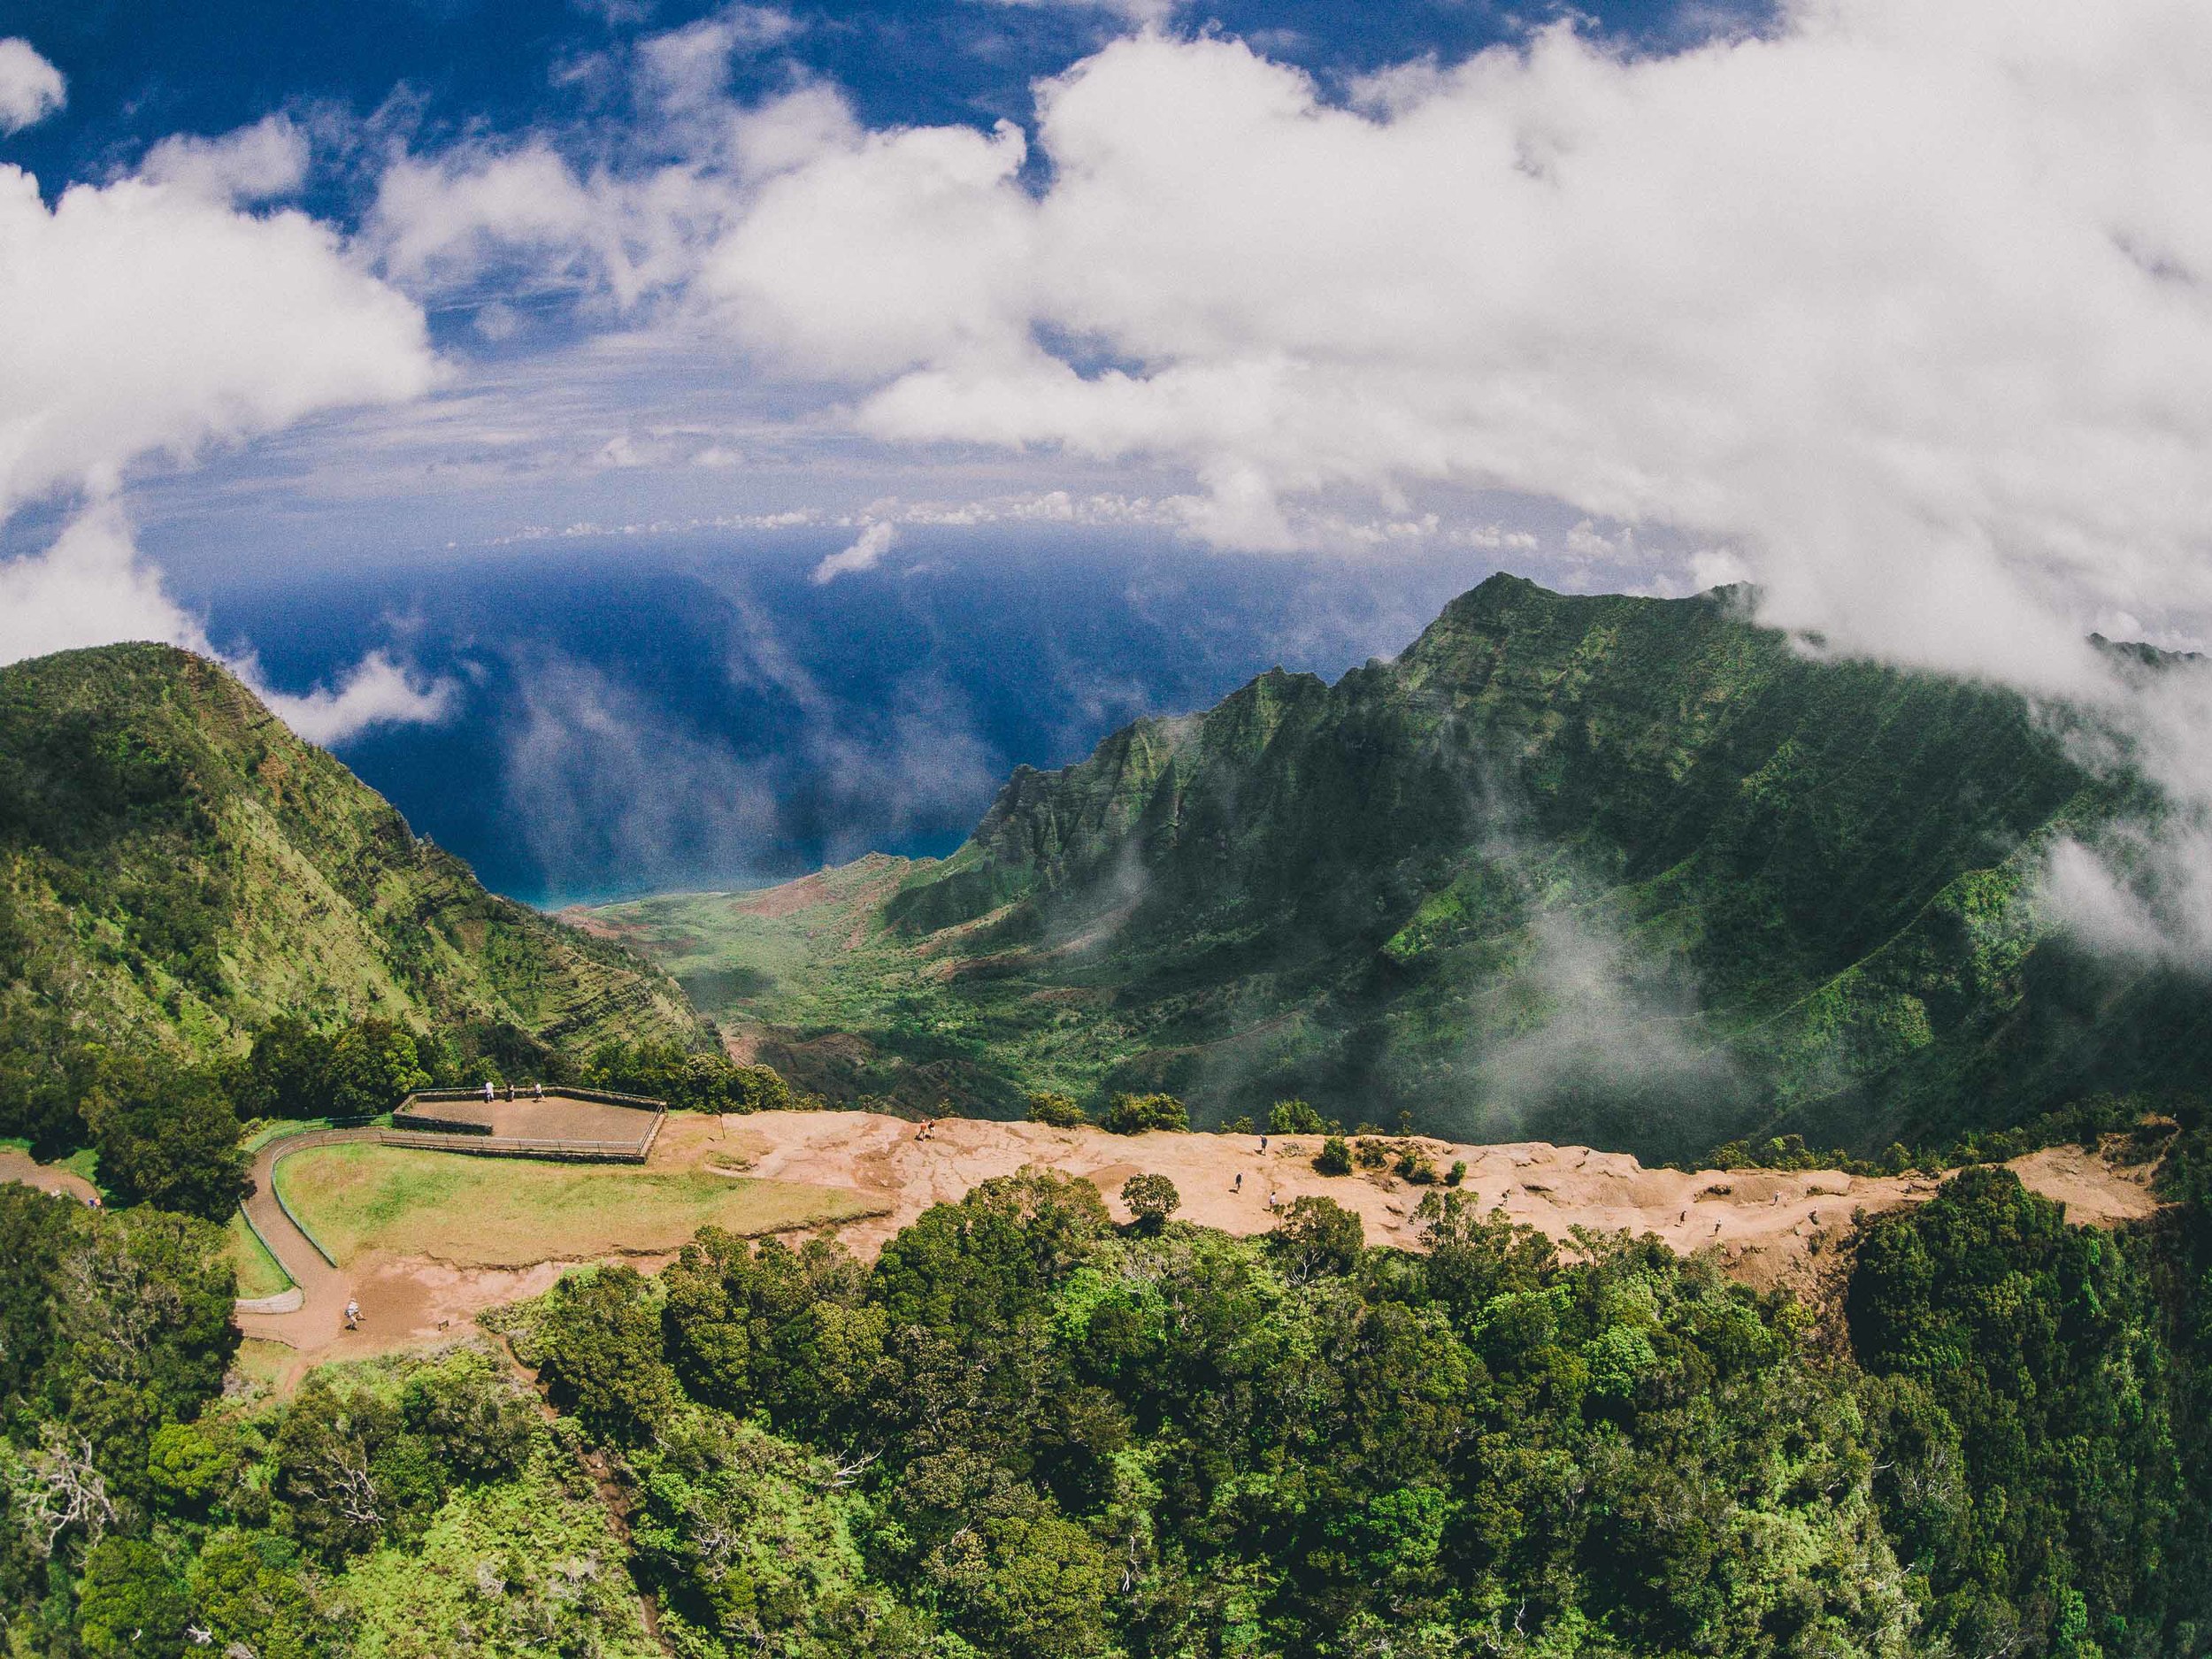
(1415, 1165)
(1336, 1157)
(1294, 1118)
(1060, 1111)
(1134, 1114)
(1370, 1154)
(1457, 1173)
(1151, 1199)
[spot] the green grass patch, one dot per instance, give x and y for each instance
(258, 1271)
(511, 1212)
(85, 1163)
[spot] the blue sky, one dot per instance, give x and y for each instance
(1900, 312)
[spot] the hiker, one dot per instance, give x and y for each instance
(490, 1093)
(511, 1094)
(1239, 1186)
(353, 1315)
(1262, 1143)
(537, 1091)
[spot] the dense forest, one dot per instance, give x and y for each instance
(1024, 1431)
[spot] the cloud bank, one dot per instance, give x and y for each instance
(1903, 309)
(1908, 304)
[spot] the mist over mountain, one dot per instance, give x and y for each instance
(1635, 872)
(689, 712)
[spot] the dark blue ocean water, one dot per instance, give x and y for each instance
(647, 715)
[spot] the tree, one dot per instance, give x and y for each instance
(1316, 1236)
(602, 1340)
(478, 1424)
(1058, 1110)
(131, 1600)
(1032, 1583)
(1151, 1199)
(247, 1601)
(1294, 1118)
(325, 1452)
(372, 1066)
(285, 1076)
(168, 1135)
(1134, 1114)
(1335, 1157)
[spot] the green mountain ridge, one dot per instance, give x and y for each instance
(177, 869)
(1631, 871)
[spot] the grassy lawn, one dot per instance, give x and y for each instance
(511, 1212)
(258, 1274)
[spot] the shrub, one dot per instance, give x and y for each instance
(1414, 1165)
(1336, 1157)
(1294, 1118)
(1133, 1114)
(1457, 1173)
(1370, 1154)
(1060, 1111)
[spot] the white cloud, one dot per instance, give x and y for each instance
(148, 316)
(259, 163)
(376, 691)
(31, 88)
(688, 68)
(138, 319)
(1904, 307)
(864, 554)
(91, 587)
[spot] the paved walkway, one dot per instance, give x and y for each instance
(324, 1288)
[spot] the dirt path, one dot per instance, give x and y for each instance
(1767, 1226)
(1770, 1228)
(21, 1166)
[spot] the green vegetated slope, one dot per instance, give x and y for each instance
(177, 869)
(1627, 870)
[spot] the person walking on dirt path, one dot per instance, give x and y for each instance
(511, 1094)
(353, 1315)
(537, 1091)
(1263, 1144)
(490, 1093)
(1240, 1183)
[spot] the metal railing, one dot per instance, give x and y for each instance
(599, 1097)
(517, 1146)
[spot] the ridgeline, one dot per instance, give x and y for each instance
(178, 870)
(1631, 871)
